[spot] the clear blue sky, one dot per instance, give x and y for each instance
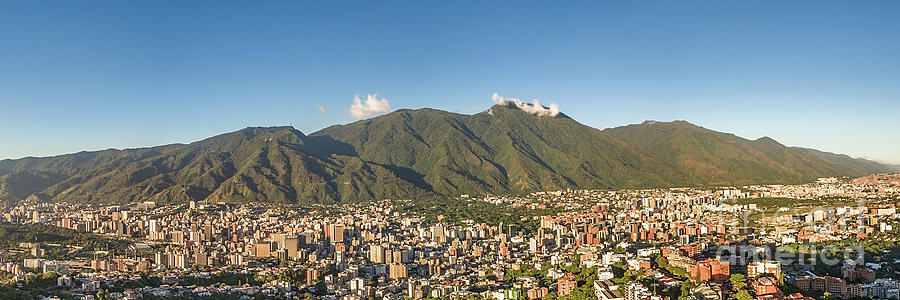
(89, 75)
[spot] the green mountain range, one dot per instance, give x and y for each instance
(424, 152)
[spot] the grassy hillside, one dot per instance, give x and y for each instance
(413, 153)
(254, 164)
(716, 158)
(858, 164)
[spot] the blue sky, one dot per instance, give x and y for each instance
(89, 75)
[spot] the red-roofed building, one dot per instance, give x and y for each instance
(566, 284)
(766, 286)
(710, 270)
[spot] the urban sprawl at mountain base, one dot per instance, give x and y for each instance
(832, 238)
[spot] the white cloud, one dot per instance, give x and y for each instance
(322, 109)
(371, 107)
(532, 108)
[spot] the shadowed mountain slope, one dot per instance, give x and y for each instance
(411, 153)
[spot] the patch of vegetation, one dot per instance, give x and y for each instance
(13, 234)
(455, 210)
(11, 293)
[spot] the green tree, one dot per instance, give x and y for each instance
(686, 287)
(7, 292)
(661, 262)
(738, 281)
(743, 295)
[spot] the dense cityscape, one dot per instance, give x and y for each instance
(834, 238)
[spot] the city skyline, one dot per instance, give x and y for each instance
(115, 75)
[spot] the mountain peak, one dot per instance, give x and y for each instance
(677, 125)
(526, 109)
(766, 139)
(674, 122)
(252, 135)
(252, 132)
(534, 108)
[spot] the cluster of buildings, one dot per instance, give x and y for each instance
(665, 238)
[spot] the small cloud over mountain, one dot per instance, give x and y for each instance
(532, 108)
(372, 106)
